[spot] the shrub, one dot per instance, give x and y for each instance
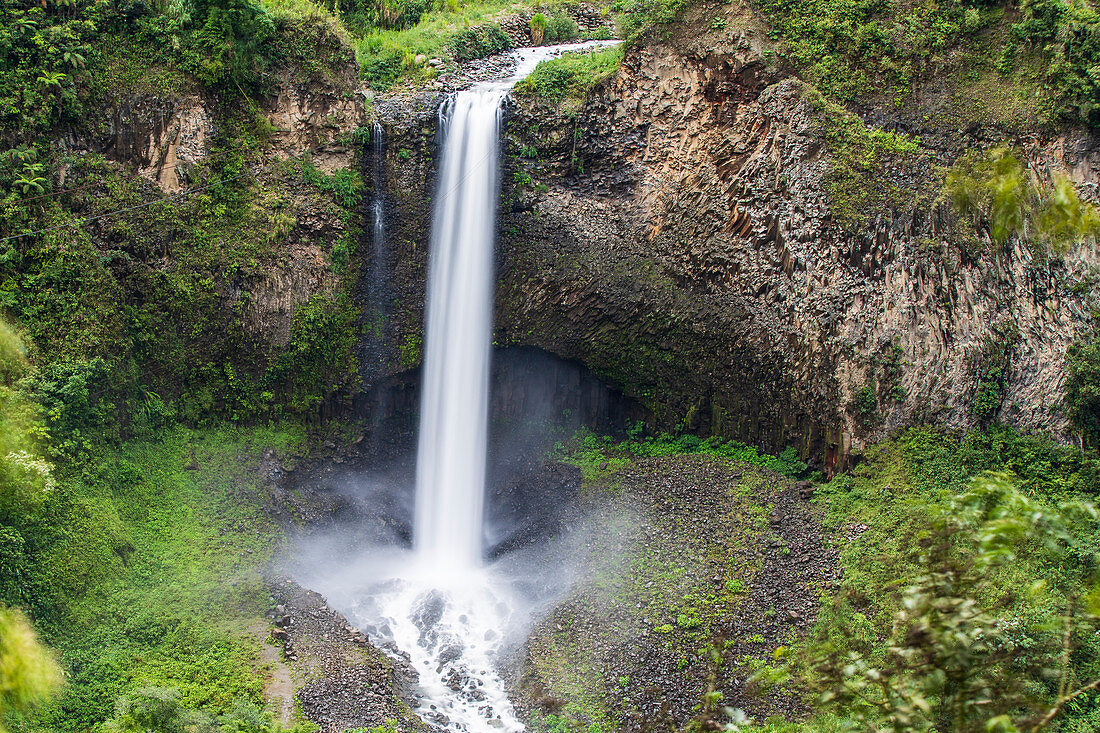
(222, 42)
(477, 42)
(864, 404)
(157, 710)
(958, 656)
(1083, 388)
(381, 71)
(538, 28)
(398, 14)
(561, 28)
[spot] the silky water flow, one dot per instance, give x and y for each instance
(441, 606)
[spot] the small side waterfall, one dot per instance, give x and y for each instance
(450, 469)
(377, 206)
(376, 273)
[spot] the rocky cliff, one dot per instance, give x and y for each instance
(687, 232)
(693, 231)
(704, 231)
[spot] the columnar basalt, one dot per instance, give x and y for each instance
(681, 232)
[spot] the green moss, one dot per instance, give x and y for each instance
(411, 350)
(864, 163)
(571, 75)
(147, 560)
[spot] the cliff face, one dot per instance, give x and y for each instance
(685, 233)
(694, 231)
(209, 245)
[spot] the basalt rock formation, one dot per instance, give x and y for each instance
(684, 232)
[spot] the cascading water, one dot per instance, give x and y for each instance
(377, 274)
(450, 467)
(378, 225)
(441, 605)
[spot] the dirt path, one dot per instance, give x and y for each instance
(278, 679)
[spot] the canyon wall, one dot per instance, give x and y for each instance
(681, 231)
(692, 230)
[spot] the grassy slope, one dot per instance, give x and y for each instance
(153, 572)
(872, 516)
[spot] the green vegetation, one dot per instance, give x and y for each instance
(635, 17)
(995, 192)
(390, 52)
(144, 570)
(138, 560)
(538, 28)
(858, 181)
(865, 405)
(967, 597)
(102, 309)
(959, 656)
(850, 47)
(159, 709)
(991, 369)
(479, 42)
(28, 672)
(1068, 35)
(572, 75)
(597, 455)
(558, 28)
(1083, 388)
(941, 565)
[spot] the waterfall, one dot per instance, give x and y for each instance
(378, 225)
(441, 605)
(450, 469)
(376, 276)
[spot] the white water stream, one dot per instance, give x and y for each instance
(441, 604)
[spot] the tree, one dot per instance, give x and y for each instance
(28, 672)
(958, 658)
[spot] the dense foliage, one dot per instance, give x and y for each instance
(959, 656)
(1083, 388)
(994, 190)
(851, 47)
(951, 576)
(1068, 34)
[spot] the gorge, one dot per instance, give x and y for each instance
(361, 373)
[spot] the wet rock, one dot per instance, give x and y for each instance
(351, 684)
